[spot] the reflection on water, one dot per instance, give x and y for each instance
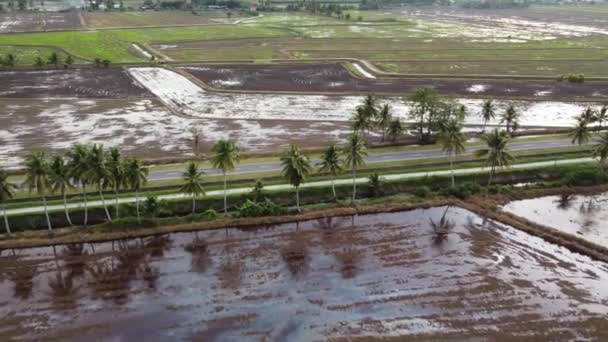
(371, 275)
(584, 216)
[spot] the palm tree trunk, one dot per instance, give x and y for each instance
(137, 206)
(6, 225)
(86, 207)
(103, 203)
(298, 198)
(452, 169)
(225, 196)
(46, 213)
(116, 201)
(193, 204)
(354, 185)
(491, 175)
(333, 187)
(485, 124)
(67, 212)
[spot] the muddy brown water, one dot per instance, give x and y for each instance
(372, 276)
(585, 216)
(334, 78)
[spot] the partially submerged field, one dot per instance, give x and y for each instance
(150, 111)
(368, 276)
(334, 78)
(164, 18)
(39, 21)
(580, 215)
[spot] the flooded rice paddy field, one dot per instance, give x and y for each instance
(585, 216)
(151, 111)
(383, 275)
(496, 25)
(334, 78)
(78, 83)
(184, 96)
(144, 127)
(39, 21)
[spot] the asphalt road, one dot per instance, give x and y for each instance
(372, 158)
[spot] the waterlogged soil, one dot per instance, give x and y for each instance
(585, 216)
(39, 21)
(73, 83)
(144, 128)
(372, 276)
(334, 78)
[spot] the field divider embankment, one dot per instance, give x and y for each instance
(84, 235)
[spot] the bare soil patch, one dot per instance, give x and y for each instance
(368, 277)
(334, 78)
(78, 83)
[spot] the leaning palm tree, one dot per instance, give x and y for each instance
(136, 176)
(580, 134)
(384, 120)
(60, 181)
(7, 191)
(496, 153)
(600, 150)
(452, 142)
(354, 152)
(116, 174)
(296, 168)
(98, 173)
(511, 118)
(225, 157)
(330, 163)
(78, 167)
(193, 183)
(37, 177)
(488, 113)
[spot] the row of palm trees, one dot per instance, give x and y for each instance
(372, 115)
(80, 167)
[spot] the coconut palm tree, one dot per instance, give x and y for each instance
(354, 152)
(136, 176)
(511, 118)
(588, 115)
(452, 142)
(225, 157)
(496, 153)
(7, 191)
(116, 174)
(361, 122)
(60, 181)
(98, 173)
(601, 116)
(296, 168)
(580, 134)
(488, 113)
(369, 107)
(330, 163)
(384, 119)
(193, 183)
(37, 177)
(395, 129)
(600, 150)
(78, 167)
